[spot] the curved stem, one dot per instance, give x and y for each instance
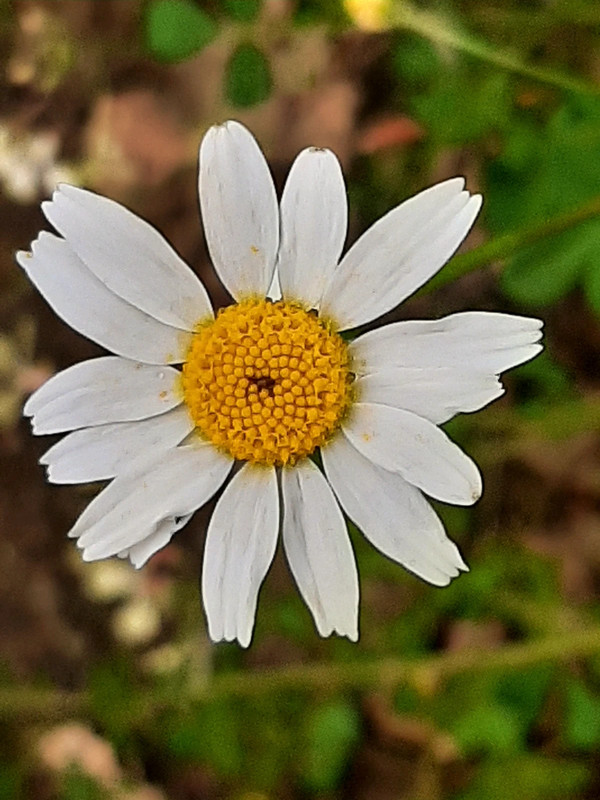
(425, 674)
(438, 30)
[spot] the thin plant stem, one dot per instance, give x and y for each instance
(427, 675)
(436, 29)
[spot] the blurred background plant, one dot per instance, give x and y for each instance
(486, 690)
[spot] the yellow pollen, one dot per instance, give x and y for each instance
(267, 382)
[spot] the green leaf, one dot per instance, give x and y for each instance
(177, 29)
(77, 785)
(524, 692)
(544, 272)
(12, 781)
(591, 278)
(271, 740)
(113, 700)
(209, 734)
(548, 379)
(582, 716)
(543, 172)
(248, 77)
(332, 732)
(292, 620)
(242, 10)
(527, 777)
(316, 12)
(541, 383)
(489, 729)
(463, 106)
(415, 60)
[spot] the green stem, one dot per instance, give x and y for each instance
(509, 243)
(429, 671)
(425, 674)
(439, 30)
(517, 19)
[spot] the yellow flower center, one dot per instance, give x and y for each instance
(268, 382)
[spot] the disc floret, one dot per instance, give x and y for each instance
(267, 382)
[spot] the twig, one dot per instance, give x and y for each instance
(426, 674)
(440, 31)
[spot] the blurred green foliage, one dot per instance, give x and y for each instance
(76, 785)
(465, 105)
(310, 738)
(332, 730)
(177, 29)
(211, 734)
(242, 10)
(549, 166)
(540, 383)
(12, 779)
(582, 715)
(527, 777)
(319, 12)
(248, 78)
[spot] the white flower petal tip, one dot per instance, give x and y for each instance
(89, 307)
(399, 253)
(318, 550)
(314, 221)
(104, 451)
(139, 511)
(140, 553)
(128, 256)
(419, 451)
(393, 515)
(100, 391)
(437, 394)
(239, 209)
(240, 546)
(439, 368)
(479, 341)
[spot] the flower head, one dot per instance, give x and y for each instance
(192, 402)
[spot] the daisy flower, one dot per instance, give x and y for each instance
(192, 401)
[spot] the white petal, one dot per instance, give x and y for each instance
(102, 390)
(137, 505)
(435, 393)
(318, 550)
(239, 209)
(399, 253)
(141, 552)
(100, 453)
(84, 303)
(314, 219)
(240, 545)
(393, 515)
(129, 256)
(402, 442)
(481, 341)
